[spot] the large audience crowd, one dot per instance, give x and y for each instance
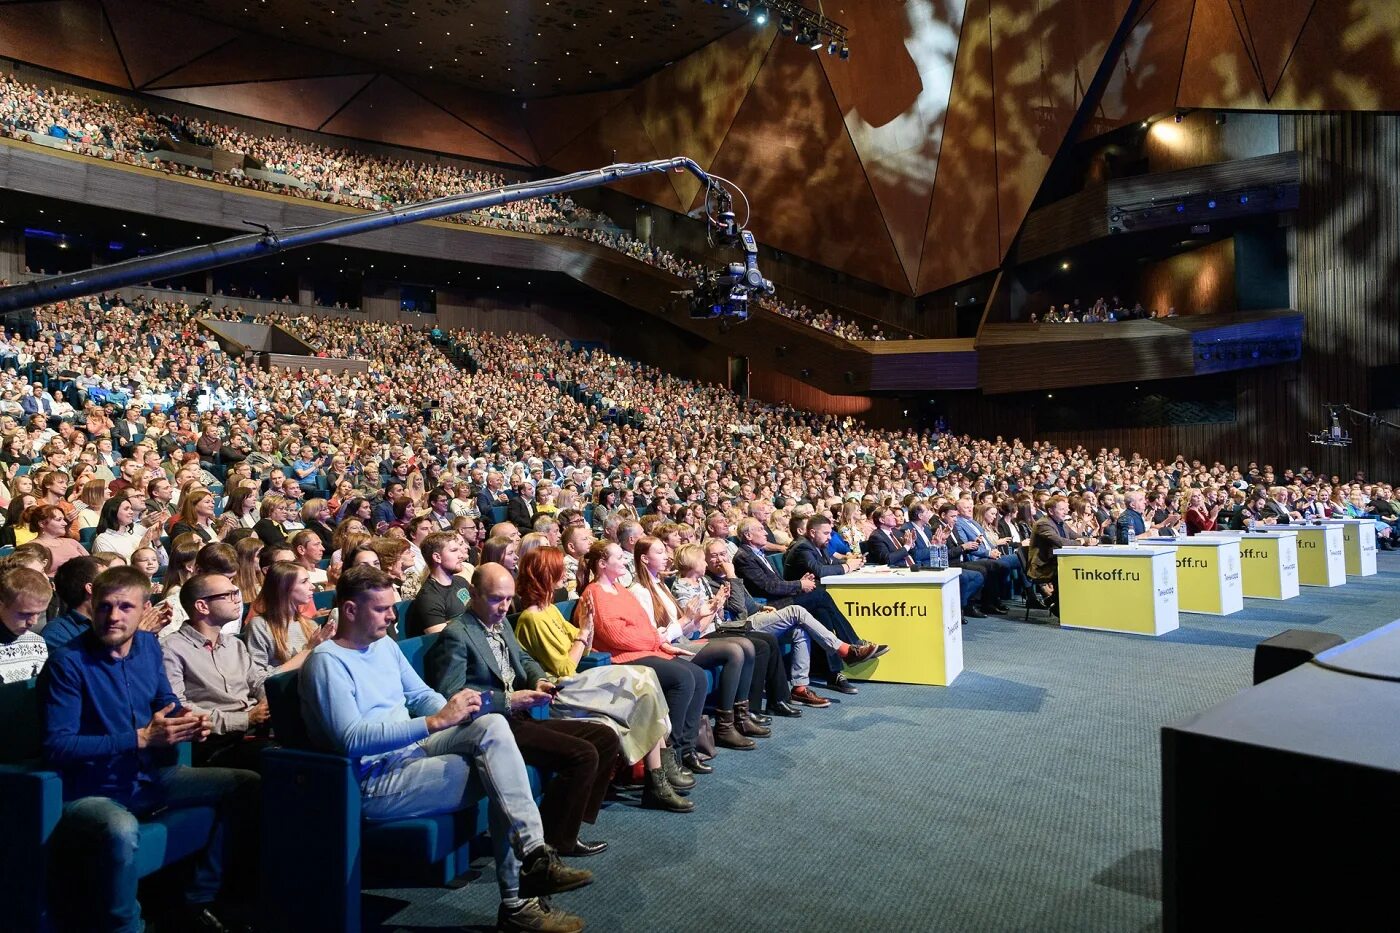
(113, 130)
(175, 511)
(1102, 311)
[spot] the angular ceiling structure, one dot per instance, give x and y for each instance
(912, 165)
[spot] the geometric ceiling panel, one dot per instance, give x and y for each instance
(493, 116)
(688, 107)
(1218, 70)
(386, 110)
(145, 32)
(554, 122)
(1273, 27)
(619, 136)
(1146, 74)
(525, 48)
(894, 99)
(1046, 55)
(1348, 58)
(258, 58)
(789, 151)
(962, 239)
(301, 102)
(28, 31)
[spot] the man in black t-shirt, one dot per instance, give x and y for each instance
(444, 595)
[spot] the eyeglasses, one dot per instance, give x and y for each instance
(215, 597)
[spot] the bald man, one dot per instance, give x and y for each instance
(478, 651)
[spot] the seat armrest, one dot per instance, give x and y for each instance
(31, 803)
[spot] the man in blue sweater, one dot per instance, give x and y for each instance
(414, 751)
(95, 693)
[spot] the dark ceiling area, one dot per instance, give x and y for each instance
(521, 48)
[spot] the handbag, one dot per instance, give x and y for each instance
(705, 738)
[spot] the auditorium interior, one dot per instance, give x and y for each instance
(1059, 338)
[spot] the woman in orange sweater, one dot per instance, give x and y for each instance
(622, 628)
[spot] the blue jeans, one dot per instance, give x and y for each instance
(804, 627)
(96, 841)
(446, 772)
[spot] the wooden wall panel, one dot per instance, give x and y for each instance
(258, 58)
(1146, 74)
(1201, 281)
(494, 117)
(303, 102)
(145, 31)
(619, 137)
(388, 111)
(770, 386)
(1199, 140)
(28, 32)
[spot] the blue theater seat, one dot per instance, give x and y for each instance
(318, 852)
(31, 803)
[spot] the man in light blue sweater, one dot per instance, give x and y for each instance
(414, 751)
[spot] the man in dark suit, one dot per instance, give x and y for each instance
(807, 554)
(491, 496)
(919, 527)
(761, 580)
(127, 432)
(968, 549)
(882, 548)
(520, 509)
(478, 650)
(1047, 534)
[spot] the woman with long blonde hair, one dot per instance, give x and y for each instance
(279, 637)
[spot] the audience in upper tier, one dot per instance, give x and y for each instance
(1100, 312)
(120, 131)
(190, 507)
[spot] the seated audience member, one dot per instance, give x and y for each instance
(959, 556)
(808, 553)
(108, 712)
(197, 517)
(706, 605)
(762, 581)
(444, 593)
(882, 548)
(24, 600)
(622, 628)
(120, 529)
(50, 527)
(184, 551)
(576, 540)
(1050, 532)
(272, 524)
(306, 545)
(1199, 518)
(478, 650)
(414, 752)
(785, 621)
(213, 673)
(730, 660)
(73, 584)
(975, 549)
(279, 634)
(624, 697)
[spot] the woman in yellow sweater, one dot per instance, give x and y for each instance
(637, 711)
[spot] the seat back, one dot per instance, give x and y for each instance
(21, 725)
(776, 562)
(323, 600)
(566, 608)
(416, 649)
(401, 617)
(284, 703)
(498, 514)
(86, 536)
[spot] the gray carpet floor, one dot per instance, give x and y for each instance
(1024, 797)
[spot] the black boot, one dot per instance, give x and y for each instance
(693, 763)
(658, 794)
(746, 724)
(679, 778)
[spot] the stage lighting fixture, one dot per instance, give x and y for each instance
(1220, 119)
(816, 44)
(845, 52)
(761, 17)
(801, 37)
(1179, 117)
(785, 25)
(1244, 199)
(832, 47)
(1211, 204)
(1181, 208)
(743, 6)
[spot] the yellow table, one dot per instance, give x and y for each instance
(1358, 545)
(1207, 573)
(1119, 588)
(915, 613)
(1321, 556)
(1268, 562)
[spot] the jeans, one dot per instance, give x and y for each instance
(804, 627)
(684, 686)
(970, 581)
(480, 754)
(95, 843)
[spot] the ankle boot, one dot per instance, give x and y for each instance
(746, 724)
(658, 794)
(694, 765)
(726, 735)
(679, 778)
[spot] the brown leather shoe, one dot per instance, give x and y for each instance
(808, 697)
(865, 651)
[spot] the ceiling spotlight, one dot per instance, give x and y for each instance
(743, 6)
(832, 47)
(1220, 119)
(845, 52)
(816, 44)
(761, 17)
(801, 37)
(1180, 116)
(785, 25)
